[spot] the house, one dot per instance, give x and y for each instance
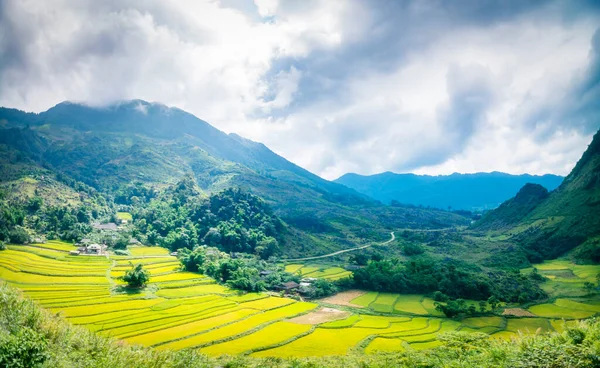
(74, 252)
(97, 249)
(288, 286)
(174, 254)
(109, 226)
(265, 273)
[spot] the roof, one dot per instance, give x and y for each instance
(109, 226)
(290, 285)
(95, 246)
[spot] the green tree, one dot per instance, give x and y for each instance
(589, 287)
(493, 302)
(137, 276)
(482, 306)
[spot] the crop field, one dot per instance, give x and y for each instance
(565, 279)
(124, 216)
(187, 310)
(318, 271)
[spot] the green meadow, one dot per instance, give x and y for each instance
(180, 310)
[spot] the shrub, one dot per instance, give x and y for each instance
(137, 276)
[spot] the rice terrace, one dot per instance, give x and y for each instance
(181, 309)
(300, 184)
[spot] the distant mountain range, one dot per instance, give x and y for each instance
(478, 191)
(108, 148)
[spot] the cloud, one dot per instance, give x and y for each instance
(336, 86)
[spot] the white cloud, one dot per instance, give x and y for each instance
(334, 86)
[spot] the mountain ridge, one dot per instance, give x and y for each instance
(111, 147)
(474, 191)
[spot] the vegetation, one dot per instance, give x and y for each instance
(137, 276)
(30, 337)
(425, 275)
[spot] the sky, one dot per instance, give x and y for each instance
(335, 86)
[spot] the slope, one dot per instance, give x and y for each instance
(111, 147)
(550, 225)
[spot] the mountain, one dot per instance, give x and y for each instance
(459, 191)
(549, 224)
(149, 144)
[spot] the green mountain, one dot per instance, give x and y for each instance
(459, 191)
(111, 149)
(549, 224)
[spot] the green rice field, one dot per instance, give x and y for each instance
(186, 310)
(318, 271)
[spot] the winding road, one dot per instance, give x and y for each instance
(393, 237)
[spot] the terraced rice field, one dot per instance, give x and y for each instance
(185, 310)
(318, 271)
(566, 279)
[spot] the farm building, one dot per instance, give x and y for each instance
(96, 249)
(288, 286)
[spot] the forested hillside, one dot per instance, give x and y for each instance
(130, 152)
(549, 224)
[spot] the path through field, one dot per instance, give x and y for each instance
(393, 237)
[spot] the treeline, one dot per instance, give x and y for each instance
(232, 220)
(247, 272)
(20, 220)
(423, 274)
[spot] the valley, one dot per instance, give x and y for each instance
(192, 241)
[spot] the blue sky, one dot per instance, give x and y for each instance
(335, 86)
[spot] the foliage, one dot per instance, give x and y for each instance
(412, 249)
(455, 308)
(137, 276)
(425, 275)
(245, 272)
(232, 220)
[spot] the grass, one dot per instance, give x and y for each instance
(273, 334)
(555, 311)
(185, 292)
(480, 322)
(365, 299)
(384, 303)
(148, 251)
(90, 310)
(386, 345)
(338, 342)
(242, 326)
(29, 278)
(528, 325)
(410, 304)
(187, 329)
(124, 216)
(56, 245)
(347, 322)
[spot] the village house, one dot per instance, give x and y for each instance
(287, 286)
(93, 249)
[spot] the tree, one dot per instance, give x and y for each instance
(19, 235)
(482, 306)
(137, 276)
(493, 302)
(589, 287)
(2, 245)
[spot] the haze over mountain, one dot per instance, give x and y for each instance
(111, 147)
(459, 191)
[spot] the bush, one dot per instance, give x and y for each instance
(2, 245)
(137, 276)
(19, 235)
